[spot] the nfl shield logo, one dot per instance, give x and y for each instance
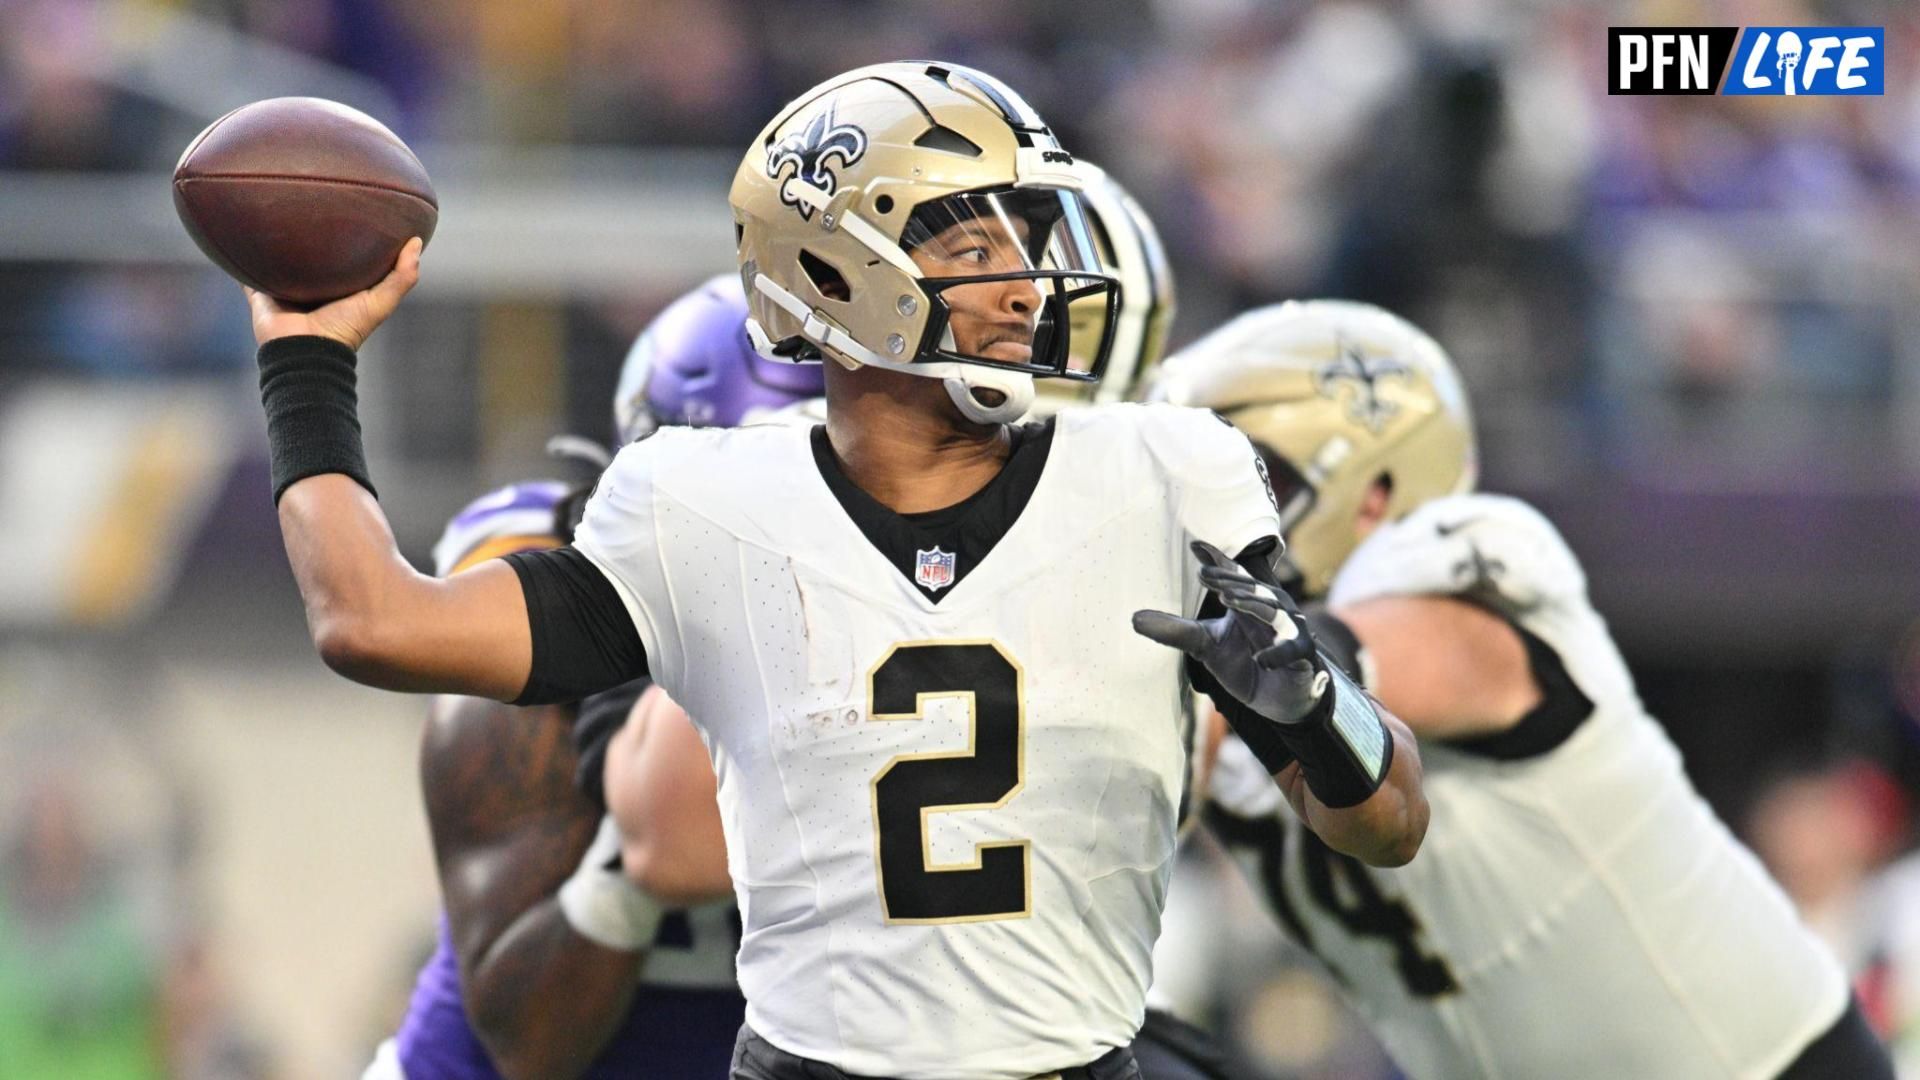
(933, 569)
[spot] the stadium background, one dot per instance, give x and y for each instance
(1688, 323)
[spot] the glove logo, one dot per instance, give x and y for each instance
(809, 151)
(1363, 373)
(933, 570)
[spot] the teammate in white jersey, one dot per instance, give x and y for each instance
(1578, 910)
(948, 766)
(1888, 972)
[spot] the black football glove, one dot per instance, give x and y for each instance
(1260, 650)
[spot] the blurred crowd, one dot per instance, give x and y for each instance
(1617, 276)
(107, 966)
(1456, 162)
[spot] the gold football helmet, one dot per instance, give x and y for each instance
(1335, 395)
(921, 217)
(1131, 253)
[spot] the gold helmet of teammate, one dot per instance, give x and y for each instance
(921, 217)
(1336, 396)
(1131, 253)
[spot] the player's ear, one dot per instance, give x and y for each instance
(1373, 506)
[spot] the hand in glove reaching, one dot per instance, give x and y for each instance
(1259, 649)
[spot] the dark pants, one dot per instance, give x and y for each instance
(754, 1058)
(1169, 1048)
(1848, 1051)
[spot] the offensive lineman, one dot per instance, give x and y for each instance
(948, 771)
(1578, 911)
(545, 970)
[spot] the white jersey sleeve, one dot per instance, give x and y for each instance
(1504, 555)
(1224, 496)
(619, 536)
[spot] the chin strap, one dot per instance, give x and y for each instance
(1015, 386)
(812, 327)
(962, 380)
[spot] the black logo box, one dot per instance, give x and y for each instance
(1719, 40)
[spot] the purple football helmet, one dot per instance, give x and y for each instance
(514, 517)
(694, 365)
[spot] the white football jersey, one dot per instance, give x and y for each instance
(950, 824)
(1577, 910)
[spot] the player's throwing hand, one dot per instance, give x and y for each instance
(349, 320)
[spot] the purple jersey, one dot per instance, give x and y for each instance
(670, 1030)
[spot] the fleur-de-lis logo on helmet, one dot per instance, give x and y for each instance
(809, 151)
(1361, 374)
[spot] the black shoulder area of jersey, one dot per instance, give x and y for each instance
(1562, 709)
(965, 531)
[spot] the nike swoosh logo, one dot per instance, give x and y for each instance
(1446, 529)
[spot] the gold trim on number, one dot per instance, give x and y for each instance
(973, 730)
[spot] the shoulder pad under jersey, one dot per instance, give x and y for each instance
(1490, 548)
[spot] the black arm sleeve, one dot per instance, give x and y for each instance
(583, 638)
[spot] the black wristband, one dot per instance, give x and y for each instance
(313, 420)
(1343, 747)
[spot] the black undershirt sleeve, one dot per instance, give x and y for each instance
(583, 639)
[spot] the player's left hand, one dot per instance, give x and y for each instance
(1259, 649)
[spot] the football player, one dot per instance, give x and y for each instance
(644, 783)
(550, 963)
(948, 765)
(1578, 911)
(1132, 254)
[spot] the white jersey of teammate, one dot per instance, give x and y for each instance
(950, 824)
(1888, 964)
(1577, 910)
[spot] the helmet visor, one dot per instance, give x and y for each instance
(1016, 282)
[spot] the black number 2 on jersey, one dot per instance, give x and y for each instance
(911, 788)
